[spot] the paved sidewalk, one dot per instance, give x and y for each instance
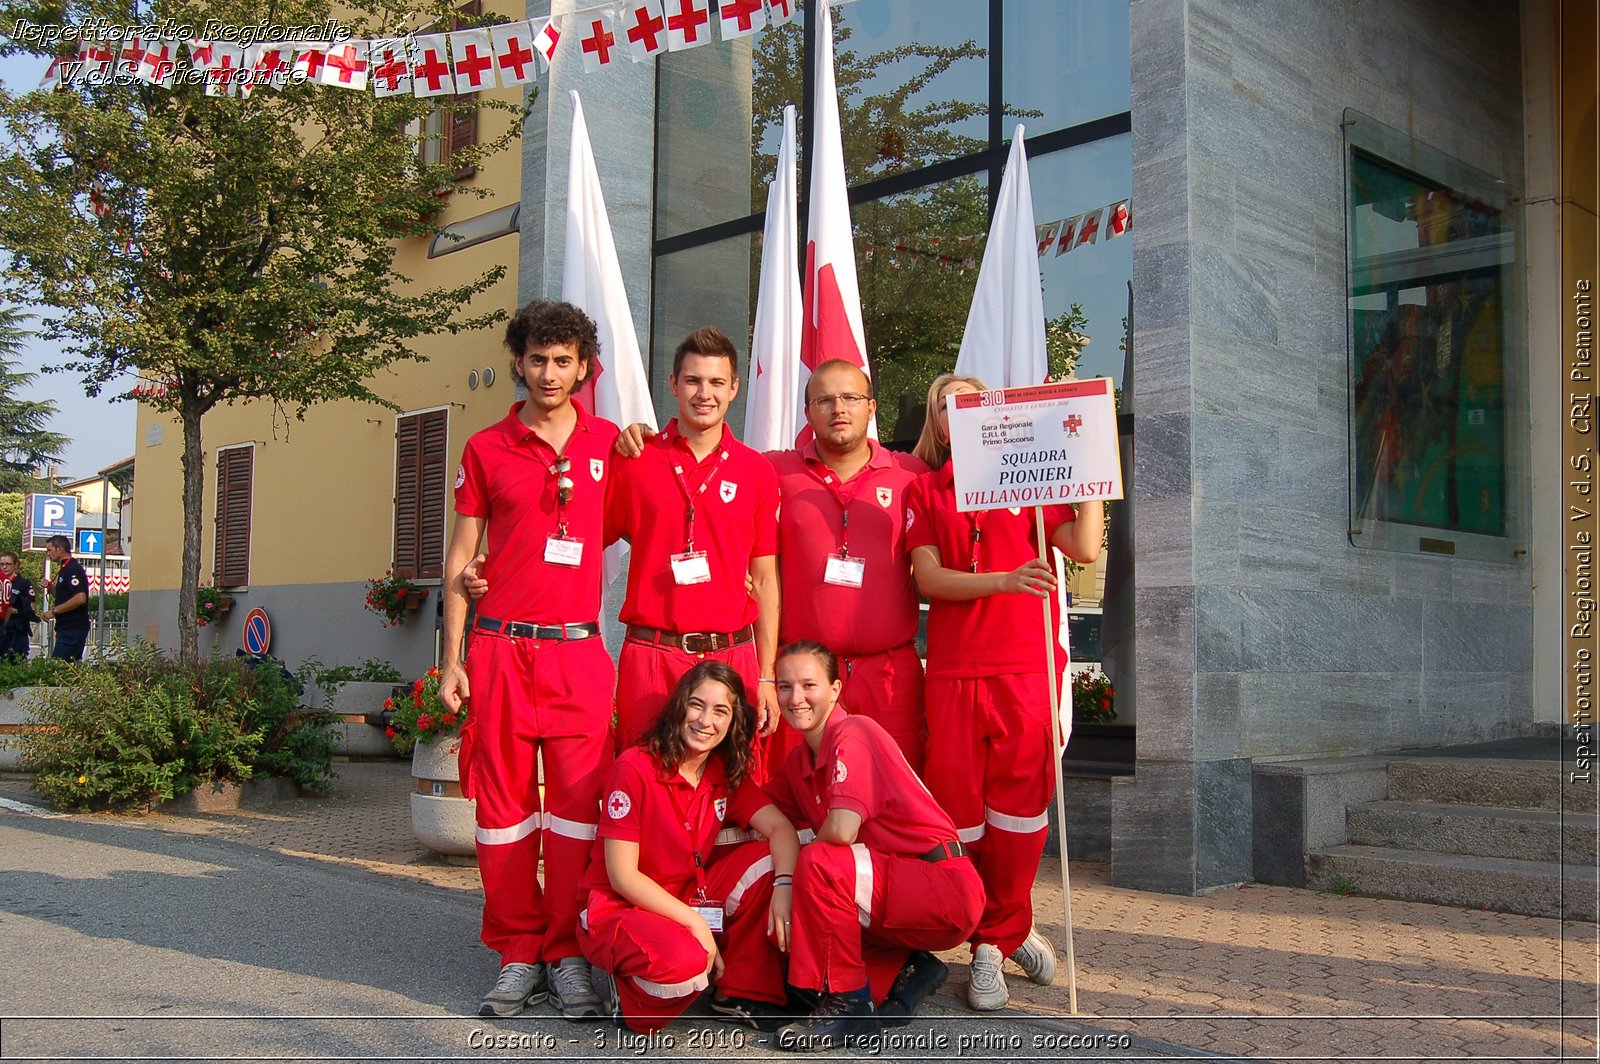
(1255, 971)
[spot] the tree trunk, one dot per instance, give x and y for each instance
(193, 497)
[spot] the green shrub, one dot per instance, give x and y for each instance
(145, 729)
(33, 672)
(372, 670)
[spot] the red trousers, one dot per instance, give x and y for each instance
(989, 764)
(658, 964)
(535, 700)
(886, 687)
(857, 914)
(647, 675)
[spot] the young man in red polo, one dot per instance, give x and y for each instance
(700, 510)
(842, 557)
(538, 677)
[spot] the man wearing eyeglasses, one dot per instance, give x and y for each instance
(539, 678)
(842, 559)
(16, 607)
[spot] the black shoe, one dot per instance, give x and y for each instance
(921, 975)
(839, 1020)
(760, 1015)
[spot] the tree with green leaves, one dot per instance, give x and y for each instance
(192, 250)
(26, 443)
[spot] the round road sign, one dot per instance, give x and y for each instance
(257, 631)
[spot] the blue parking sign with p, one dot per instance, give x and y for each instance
(52, 515)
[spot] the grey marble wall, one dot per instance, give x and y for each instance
(1262, 633)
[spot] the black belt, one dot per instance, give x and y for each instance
(953, 848)
(692, 642)
(519, 630)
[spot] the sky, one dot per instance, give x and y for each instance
(100, 432)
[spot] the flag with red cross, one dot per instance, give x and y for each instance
(430, 69)
(514, 61)
(688, 24)
(391, 67)
(345, 66)
(546, 40)
(741, 18)
(472, 56)
(645, 28)
(597, 38)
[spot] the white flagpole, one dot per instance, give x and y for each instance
(1059, 746)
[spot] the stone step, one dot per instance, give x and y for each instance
(1504, 783)
(1475, 830)
(1533, 888)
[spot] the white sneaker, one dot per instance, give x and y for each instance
(1037, 958)
(518, 985)
(987, 990)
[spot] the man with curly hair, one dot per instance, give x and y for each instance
(533, 486)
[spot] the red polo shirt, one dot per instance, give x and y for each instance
(858, 767)
(735, 496)
(996, 634)
(506, 478)
(671, 819)
(879, 615)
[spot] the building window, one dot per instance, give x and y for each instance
(235, 468)
(420, 442)
(1431, 253)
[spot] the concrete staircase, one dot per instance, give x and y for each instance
(1501, 834)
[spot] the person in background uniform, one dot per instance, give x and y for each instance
(662, 919)
(70, 601)
(16, 607)
(990, 739)
(700, 510)
(842, 557)
(537, 674)
(885, 880)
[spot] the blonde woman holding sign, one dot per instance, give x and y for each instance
(988, 696)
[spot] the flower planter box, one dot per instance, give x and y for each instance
(16, 719)
(357, 719)
(1100, 749)
(441, 818)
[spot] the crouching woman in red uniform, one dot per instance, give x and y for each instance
(886, 878)
(663, 919)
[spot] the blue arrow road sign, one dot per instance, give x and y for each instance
(89, 543)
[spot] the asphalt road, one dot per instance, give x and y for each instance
(124, 942)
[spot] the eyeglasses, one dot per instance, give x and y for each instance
(844, 400)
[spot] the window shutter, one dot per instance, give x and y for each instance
(419, 494)
(464, 126)
(231, 562)
(406, 453)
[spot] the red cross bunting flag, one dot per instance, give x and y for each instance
(1069, 233)
(158, 65)
(430, 67)
(346, 66)
(129, 55)
(202, 54)
(545, 41)
(741, 18)
(1046, 234)
(688, 24)
(781, 11)
(269, 63)
(309, 61)
(96, 58)
(597, 37)
(645, 27)
(1117, 219)
(223, 78)
(472, 56)
(391, 67)
(514, 63)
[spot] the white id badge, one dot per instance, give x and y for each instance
(845, 572)
(711, 913)
(563, 550)
(691, 567)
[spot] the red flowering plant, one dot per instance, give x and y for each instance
(209, 604)
(392, 597)
(416, 714)
(1093, 698)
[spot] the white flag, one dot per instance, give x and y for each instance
(831, 325)
(741, 18)
(514, 60)
(617, 389)
(345, 66)
(430, 66)
(1004, 341)
(772, 413)
(472, 57)
(391, 67)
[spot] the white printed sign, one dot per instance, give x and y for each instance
(1038, 446)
